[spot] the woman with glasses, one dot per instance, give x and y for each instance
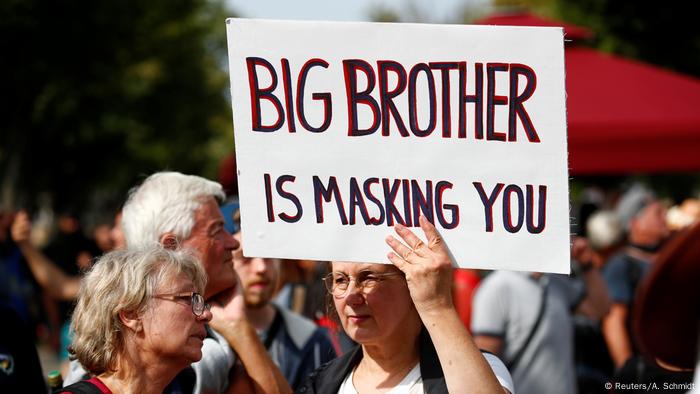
(139, 320)
(410, 335)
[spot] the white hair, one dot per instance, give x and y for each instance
(604, 229)
(165, 203)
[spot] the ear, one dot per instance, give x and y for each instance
(169, 241)
(131, 320)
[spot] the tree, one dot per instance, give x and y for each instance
(649, 31)
(97, 94)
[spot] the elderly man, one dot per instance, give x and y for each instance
(182, 211)
(644, 219)
(295, 343)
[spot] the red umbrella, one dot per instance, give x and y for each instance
(624, 116)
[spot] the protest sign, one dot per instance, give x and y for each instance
(344, 129)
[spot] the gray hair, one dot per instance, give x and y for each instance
(122, 281)
(632, 202)
(604, 229)
(165, 202)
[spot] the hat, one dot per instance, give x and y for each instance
(632, 202)
(232, 217)
(668, 302)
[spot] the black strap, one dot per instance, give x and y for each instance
(272, 331)
(81, 387)
(543, 305)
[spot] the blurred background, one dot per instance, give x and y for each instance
(97, 95)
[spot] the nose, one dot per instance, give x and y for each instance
(259, 265)
(205, 317)
(353, 295)
(232, 243)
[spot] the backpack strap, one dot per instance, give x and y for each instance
(81, 387)
(513, 362)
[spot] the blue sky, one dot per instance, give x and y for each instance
(435, 11)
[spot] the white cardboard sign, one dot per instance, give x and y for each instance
(343, 129)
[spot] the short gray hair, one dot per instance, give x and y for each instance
(122, 280)
(632, 203)
(165, 202)
(604, 229)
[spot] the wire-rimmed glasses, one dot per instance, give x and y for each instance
(337, 283)
(196, 300)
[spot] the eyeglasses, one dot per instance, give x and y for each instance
(191, 298)
(337, 283)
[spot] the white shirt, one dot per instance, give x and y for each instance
(412, 383)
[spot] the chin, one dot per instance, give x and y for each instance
(256, 302)
(192, 357)
(362, 335)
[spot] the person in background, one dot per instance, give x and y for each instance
(409, 333)
(644, 220)
(139, 321)
(54, 281)
(116, 233)
(526, 318)
(605, 234)
(102, 238)
(73, 252)
(295, 343)
(684, 215)
(16, 287)
(20, 369)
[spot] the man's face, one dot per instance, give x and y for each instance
(650, 225)
(214, 247)
(258, 276)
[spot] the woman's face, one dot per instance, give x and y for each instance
(170, 329)
(374, 315)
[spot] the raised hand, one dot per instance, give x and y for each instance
(427, 266)
(228, 308)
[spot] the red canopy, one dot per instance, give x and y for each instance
(623, 116)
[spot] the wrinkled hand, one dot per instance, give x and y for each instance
(21, 228)
(428, 267)
(228, 308)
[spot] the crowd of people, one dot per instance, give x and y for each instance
(165, 300)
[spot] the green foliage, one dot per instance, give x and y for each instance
(662, 34)
(97, 94)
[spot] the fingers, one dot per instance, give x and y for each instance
(408, 236)
(397, 261)
(402, 250)
(430, 231)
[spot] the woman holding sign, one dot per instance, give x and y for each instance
(410, 335)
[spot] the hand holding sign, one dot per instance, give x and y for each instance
(427, 266)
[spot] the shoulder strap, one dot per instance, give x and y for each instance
(516, 358)
(328, 377)
(272, 331)
(81, 387)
